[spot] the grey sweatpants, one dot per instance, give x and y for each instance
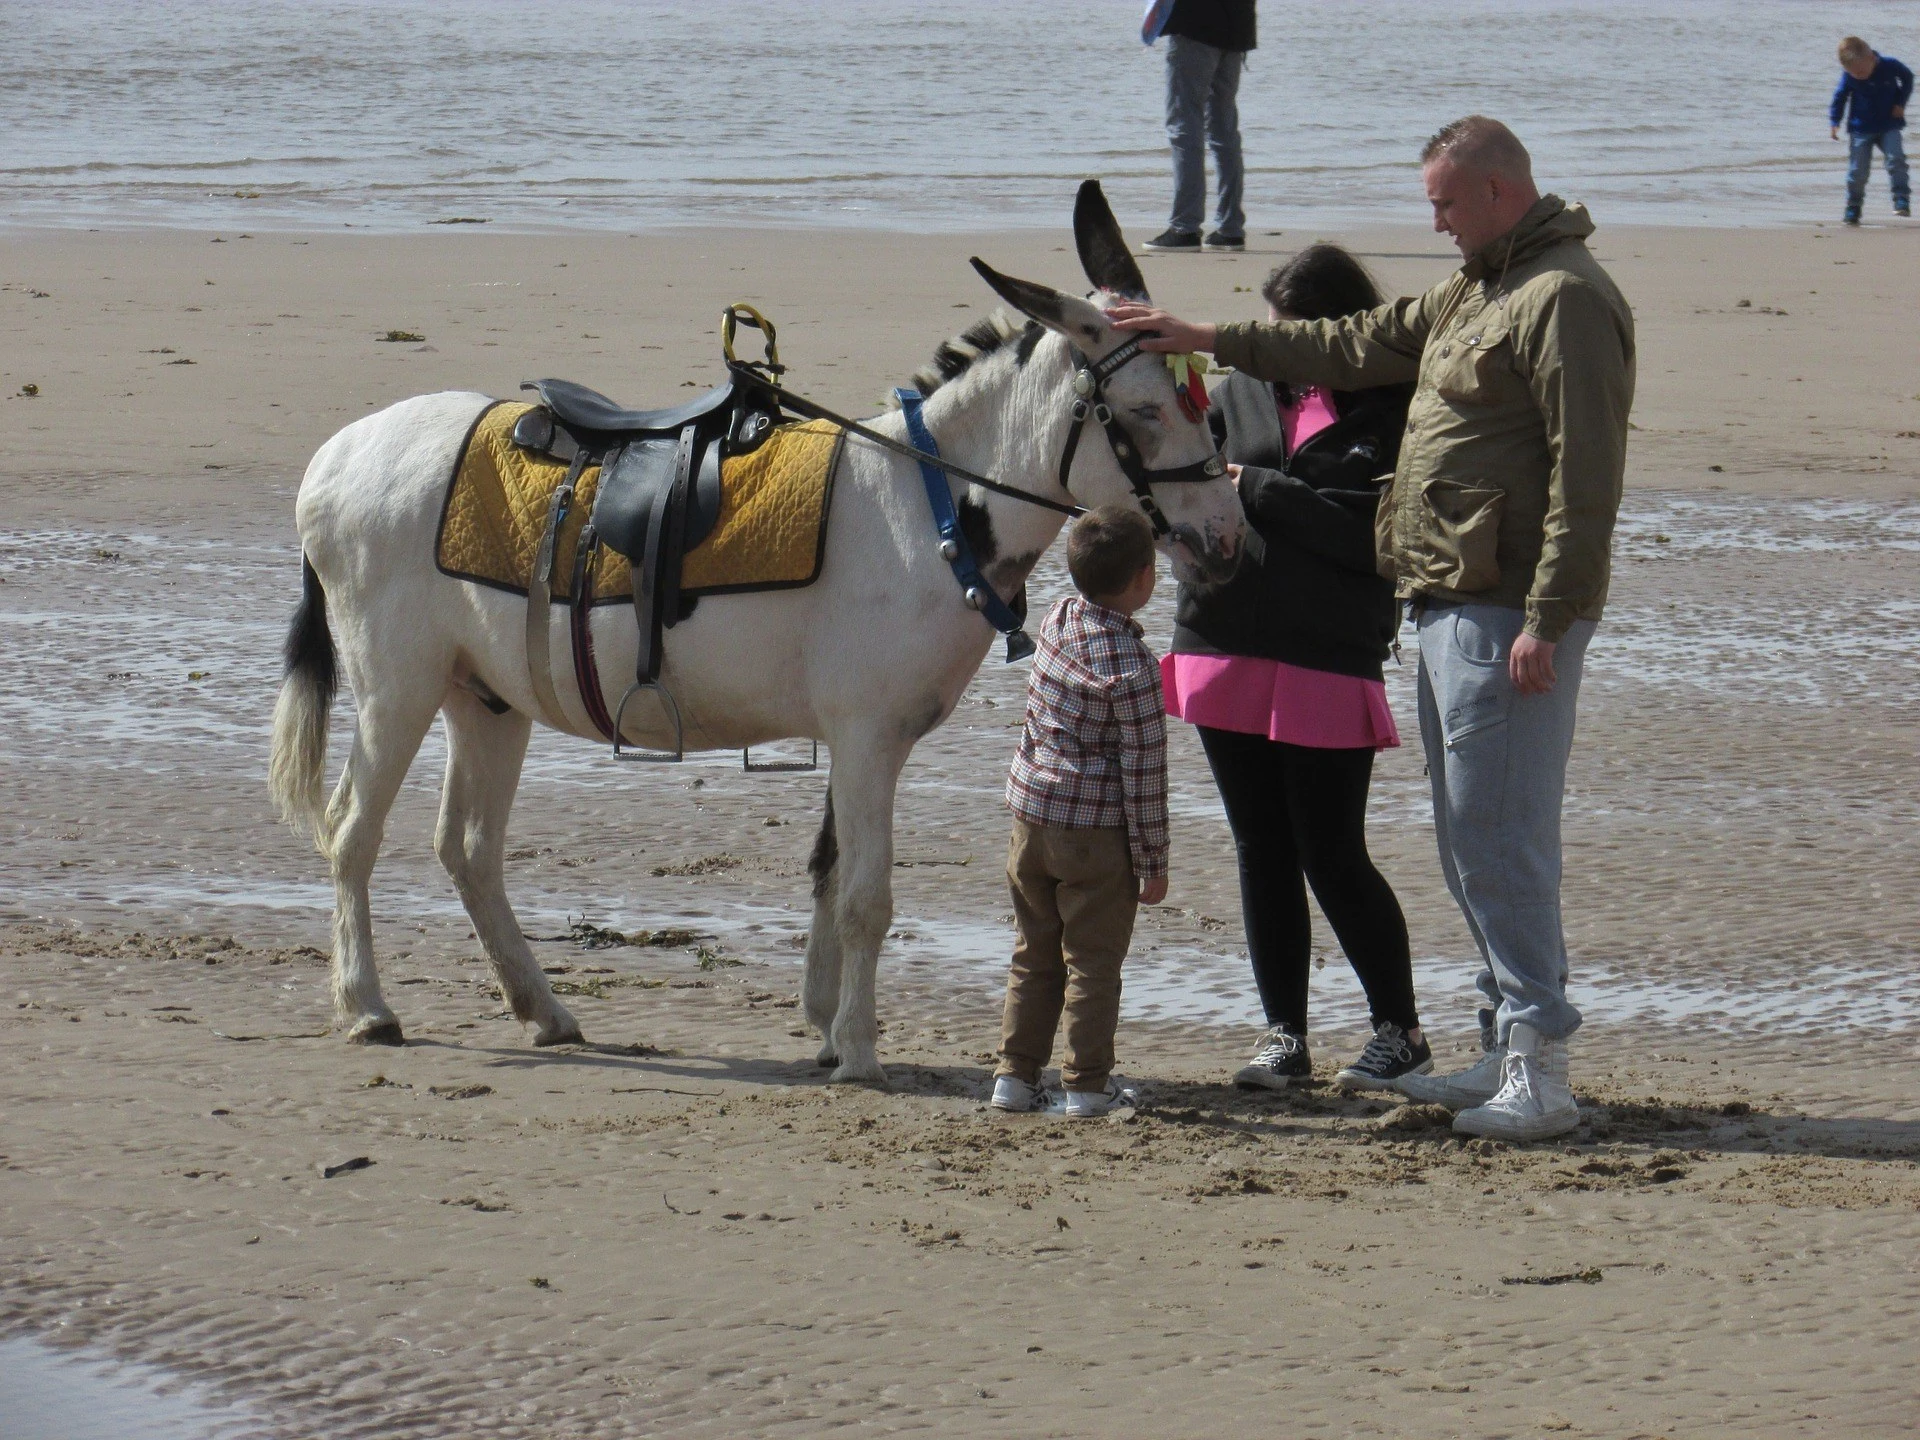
(1498, 763)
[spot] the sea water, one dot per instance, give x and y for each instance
(96, 718)
(49, 1394)
(901, 114)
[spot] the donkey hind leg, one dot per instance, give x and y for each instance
(820, 991)
(863, 791)
(387, 735)
(484, 754)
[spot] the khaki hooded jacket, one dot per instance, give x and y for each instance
(1515, 452)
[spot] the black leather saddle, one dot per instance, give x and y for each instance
(640, 459)
(659, 490)
(659, 496)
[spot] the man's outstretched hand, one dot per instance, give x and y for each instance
(1169, 336)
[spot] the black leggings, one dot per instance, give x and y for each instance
(1300, 814)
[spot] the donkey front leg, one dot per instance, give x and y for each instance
(862, 787)
(484, 755)
(388, 735)
(820, 990)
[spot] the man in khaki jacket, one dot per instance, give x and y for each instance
(1497, 530)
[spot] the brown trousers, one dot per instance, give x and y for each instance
(1074, 898)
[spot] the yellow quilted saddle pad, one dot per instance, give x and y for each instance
(770, 533)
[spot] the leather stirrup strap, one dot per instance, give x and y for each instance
(647, 573)
(668, 603)
(586, 670)
(540, 598)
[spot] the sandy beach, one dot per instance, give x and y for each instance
(679, 1230)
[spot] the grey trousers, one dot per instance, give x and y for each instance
(1203, 109)
(1498, 763)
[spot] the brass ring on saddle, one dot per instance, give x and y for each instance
(740, 312)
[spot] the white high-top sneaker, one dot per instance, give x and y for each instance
(1010, 1092)
(1475, 1085)
(1535, 1101)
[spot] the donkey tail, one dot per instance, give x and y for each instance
(297, 774)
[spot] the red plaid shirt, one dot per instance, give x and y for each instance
(1093, 752)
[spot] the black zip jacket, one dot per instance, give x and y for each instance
(1307, 591)
(1223, 24)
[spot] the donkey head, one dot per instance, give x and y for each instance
(1206, 523)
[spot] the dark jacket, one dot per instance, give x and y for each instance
(1308, 591)
(1871, 101)
(1223, 24)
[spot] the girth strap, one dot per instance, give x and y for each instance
(540, 598)
(585, 669)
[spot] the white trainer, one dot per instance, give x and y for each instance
(1535, 1101)
(1475, 1085)
(1091, 1104)
(1010, 1092)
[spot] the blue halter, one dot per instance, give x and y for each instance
(953, 540)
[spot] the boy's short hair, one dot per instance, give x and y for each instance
(1106, 549)
(1481, 144)
(1853, 50)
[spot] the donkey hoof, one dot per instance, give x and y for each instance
(563, 1029)
(872, 1073)
(376, 1032)
(827, 1058)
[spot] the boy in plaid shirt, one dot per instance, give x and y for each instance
(1088, 793)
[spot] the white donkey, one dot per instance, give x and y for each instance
(868, 659)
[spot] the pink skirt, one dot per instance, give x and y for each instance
(1289, 703)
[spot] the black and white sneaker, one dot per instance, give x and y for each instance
(1388, 1056)
(1281, 1059)
(1174, 240)
(1219, 241)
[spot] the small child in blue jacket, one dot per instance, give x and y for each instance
(1873, 94)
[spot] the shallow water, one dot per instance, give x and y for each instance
(114, 730)
(49, 1394)
(397, 113)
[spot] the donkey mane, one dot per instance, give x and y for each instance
(958, 355)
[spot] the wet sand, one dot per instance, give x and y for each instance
(1739, 906)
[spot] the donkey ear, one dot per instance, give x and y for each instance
(1081, 322)
(1103, 248)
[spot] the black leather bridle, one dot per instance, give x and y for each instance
(1089, 387)
(1090, 403)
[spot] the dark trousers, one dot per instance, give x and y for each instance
(1299, 818)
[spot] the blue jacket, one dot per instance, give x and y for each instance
(1873, 99)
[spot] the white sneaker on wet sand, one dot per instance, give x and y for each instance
(1010, 1092)
(1475, 1085)
(1091, 1104)
(1535, 1100)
